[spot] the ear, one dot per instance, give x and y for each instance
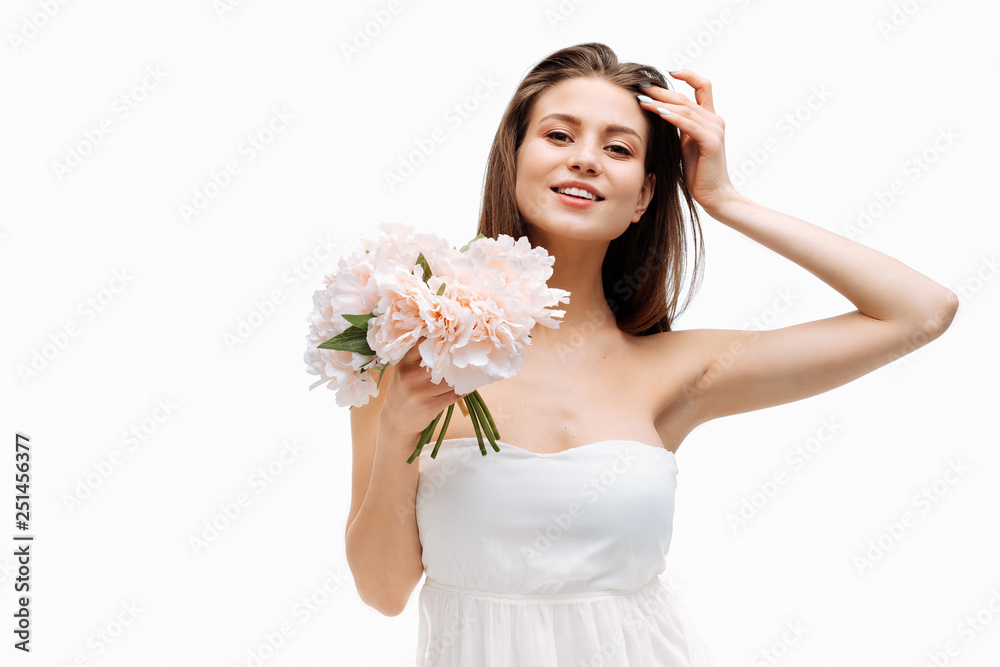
(645, 196)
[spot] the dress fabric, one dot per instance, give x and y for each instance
(550, 560)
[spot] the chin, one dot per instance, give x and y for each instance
(584, 230)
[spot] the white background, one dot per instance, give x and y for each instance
(260, 245)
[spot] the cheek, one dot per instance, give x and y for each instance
(525, 172)
(525, 158)
(529, 199)
(633, 182)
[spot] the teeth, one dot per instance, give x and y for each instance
(577, 192)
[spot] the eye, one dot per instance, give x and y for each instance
(623, 149)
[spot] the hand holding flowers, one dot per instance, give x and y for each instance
(467, 313)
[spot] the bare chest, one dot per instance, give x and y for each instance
(554, 404)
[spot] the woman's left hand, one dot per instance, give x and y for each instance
(702, 133)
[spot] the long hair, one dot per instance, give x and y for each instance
(643, 268)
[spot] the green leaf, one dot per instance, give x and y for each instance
(466, 246)
(360, 321)
(380, 374)
(440, 290)
(422, 263)
(353, 339)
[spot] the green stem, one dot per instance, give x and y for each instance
(477, 403)
(489, 417)
(424, 438)
(430, 429)
(475, 423)
(444, 428)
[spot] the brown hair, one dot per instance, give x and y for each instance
(646, 263)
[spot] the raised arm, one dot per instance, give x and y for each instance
(898, 311)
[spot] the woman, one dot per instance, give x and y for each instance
(548, 552)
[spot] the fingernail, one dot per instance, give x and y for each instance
(673, 71)
(647, 100)
(645, 84)
(663, 111)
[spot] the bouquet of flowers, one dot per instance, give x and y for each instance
(474, 308)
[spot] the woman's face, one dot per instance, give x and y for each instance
(590, 131)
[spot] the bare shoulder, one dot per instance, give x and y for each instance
(670, 359)
(671, 363)
(364, 432)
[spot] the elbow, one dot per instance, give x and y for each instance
(383, 604)
(378, 597)
(943, 315)
(391, 610)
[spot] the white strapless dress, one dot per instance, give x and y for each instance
(550, 560)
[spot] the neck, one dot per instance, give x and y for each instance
(577, 269)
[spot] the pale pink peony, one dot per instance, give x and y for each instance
(525, 271)
(473, 333)
(352, 290)
(490, 303)
(405, 304)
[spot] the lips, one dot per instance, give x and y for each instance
(581, 186)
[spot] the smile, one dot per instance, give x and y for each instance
(577, 193)
(574, 201)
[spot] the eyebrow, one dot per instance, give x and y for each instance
(610, 128)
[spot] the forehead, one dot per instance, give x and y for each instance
(594, 101)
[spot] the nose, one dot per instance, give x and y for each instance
(582, 159)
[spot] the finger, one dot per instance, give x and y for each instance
(412, 355)
(659, 96)
(453, 395)
(680, 116)
(702, 87)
